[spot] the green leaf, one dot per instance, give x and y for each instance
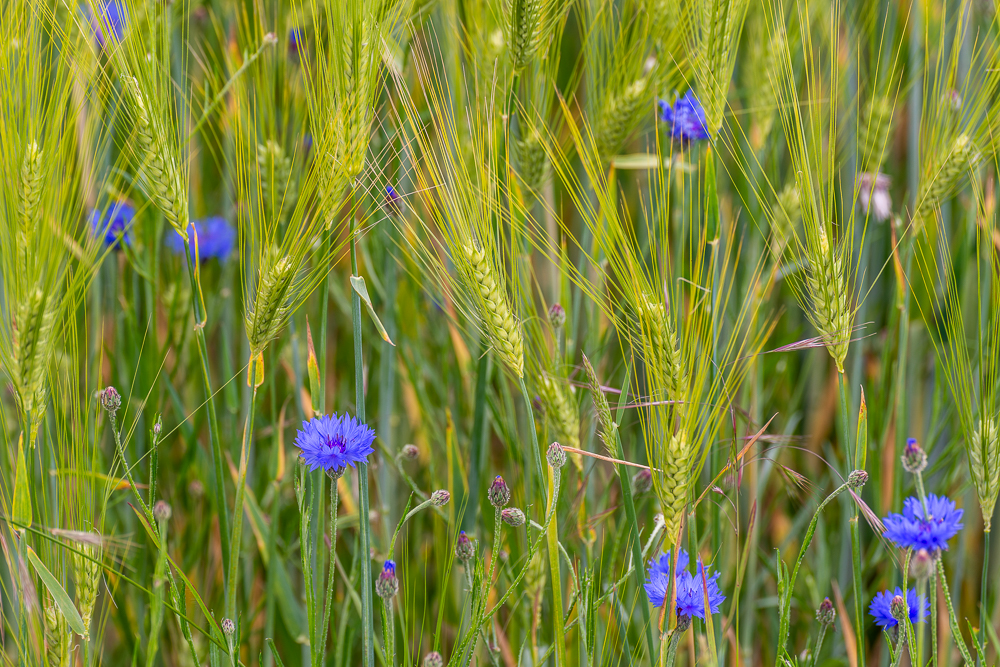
(861, 451)
(21, 512)
(358, 283)
(58, 594)
(274, 652)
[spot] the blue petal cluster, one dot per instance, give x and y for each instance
(332, 442)
(112, 224)
(114, 16)
(216, 238)
(691, 588)
(880, 608)
(686, 118)
(915, 530)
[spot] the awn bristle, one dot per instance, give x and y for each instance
(502, 327)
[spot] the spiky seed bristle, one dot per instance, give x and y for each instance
(159, 168)
(785, 214)
(33, 329)
(984, 461)
(501, 326)
(57, 636)
(269, 308)
(618, 117)
(606, 426)
(943, 175)
(674, 482)
(874, 131)
(828, 291)
(87, 576)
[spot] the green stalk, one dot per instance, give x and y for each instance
(478, 438)
(984, 616)
(934, 625)
(367, 619)
(670, 655)
(218, 483)
(241, 482)
(859, 464)
(319, 652)
(712, 226)
(558, 622)
(956, 629)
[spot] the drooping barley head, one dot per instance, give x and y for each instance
(984, 461)
(495, 313)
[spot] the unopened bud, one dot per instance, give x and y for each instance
(499, 493)
(922, 564)
(557, 316)
(410, 452)
(162, 511)
(898, 608)
(642, 482)
(826, 614)
(433, 659)
(111, 401)
(556, 456)
(465, 550)
(513, 517)
(228, 627)
(440, 497)
(857, 479)
(914, 457)
(387, 585)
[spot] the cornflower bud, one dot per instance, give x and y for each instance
(513, 517)
(387, 585)
(914, 457)
(465, 550)
(410, 452)
(557, 316)
(556, 456)
(826, 614)
(499, 493)
(440, 497)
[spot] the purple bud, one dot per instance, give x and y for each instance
(111, 401)
(826, 613)
(642, 482)
(387, 585)
(440, 497)
(228, 627)
(513, 517)
(410, 452)
(499, 493)
(161, 511)
(922, 564)
(556, 456)
(465, 550)
(898, 608)
(914, 457)
(433, 659)
(557, 316)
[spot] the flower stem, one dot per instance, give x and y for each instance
(983, 613)
(558, 619)
(241, 482)
(319, 652)
(859, 464)
(956, 629)
(218, 482)
(367, 620)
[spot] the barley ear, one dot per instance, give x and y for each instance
(943, 175)
(618, 117)
(87, 575)
(502, 328)
(27, 203)
(561, 410)
(57, 636)
(828, 291)
(984, 462)
(675, 481)
(606, 426)
(34, 326)
(269, 308)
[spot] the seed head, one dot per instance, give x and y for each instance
(557, 316)
(914, 457)
(228, 627)
(601, 407)
(642, 482)
(499, 493)
(158, 427)
(513, 517)
(387, 585)
(857, 479)
(465, 550)
(433, 659)
(440, 497)
(826, 614)
(111, 401)
(922, 564)
(410, 452)
(162, 511)
(556, 456)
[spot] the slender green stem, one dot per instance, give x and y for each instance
(319, 652)
(218, 482)
(670, 655)
(241, 483)
(784, 622)
(984, 615)
(900, 645)
(478, 438)
(531, 430)
(367, 618)
(956, 629)
(934, 623)
(858, 460)
(558, 619)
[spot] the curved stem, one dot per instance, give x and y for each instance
(956, 629)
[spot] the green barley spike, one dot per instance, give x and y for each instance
(984, 461)
(829, 293)
(58, 637)
(523, 24)
(943, 175)
(270, 306)
(618, 117)
(87, 575)
(32, 345)
(501, 326)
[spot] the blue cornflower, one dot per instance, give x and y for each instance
(914, 530)
(332, 442)
(294, 38)
(113, 15)
(113, 223)
(393, 202)
(881, 607)
(686, 118)
(216, 238)
(690, 588)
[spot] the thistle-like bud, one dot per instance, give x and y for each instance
(922, 564)
(410, 452)
(557, 316)
(898, 608)
(826, 614)
(387, 585)
(499, 493)
(111, 401)
(158, 427)
(228, 627)
(336, 473)
(857, 479)
(556, 456)
(513, 517)
(162, 511)
(440, 497)
(914, 457)
(465, 550)
(683, 622)
(642, 482)
(433, 659)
